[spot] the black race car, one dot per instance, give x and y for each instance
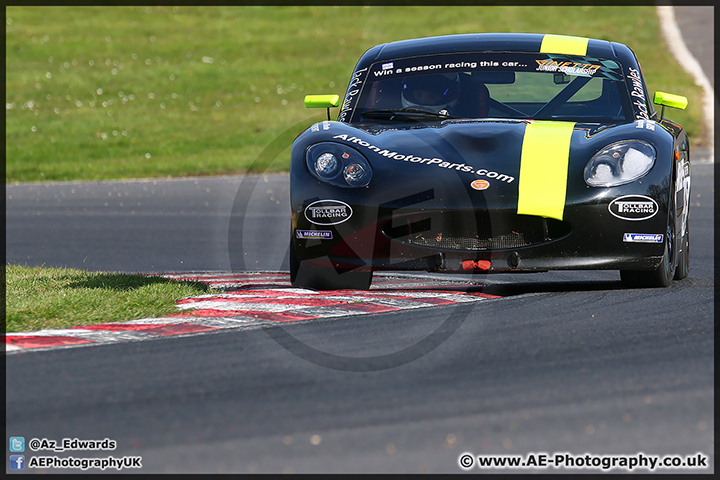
(483, 153)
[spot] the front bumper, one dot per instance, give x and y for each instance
(498, 241)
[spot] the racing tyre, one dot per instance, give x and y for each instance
(663, 275)
(319, 275)
(683, 265)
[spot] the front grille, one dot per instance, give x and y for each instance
(486, 242)
(473, 230)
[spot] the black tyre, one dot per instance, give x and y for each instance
(663, 275)
(683, 265)
(323, 275)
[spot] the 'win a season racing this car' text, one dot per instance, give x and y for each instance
(483, 153)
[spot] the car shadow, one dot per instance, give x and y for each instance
(512, 289)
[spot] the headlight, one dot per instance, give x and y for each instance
(356, 175)
(338, 164)
(326, 165)
(620, 163)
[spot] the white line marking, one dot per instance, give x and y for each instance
(281, 300)
(677, 46)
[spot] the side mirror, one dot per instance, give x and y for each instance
(322, 101)
(669, 100)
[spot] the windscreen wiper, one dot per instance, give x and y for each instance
(404, 113)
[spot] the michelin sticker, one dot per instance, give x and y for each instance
(643, 237)
(314, 234)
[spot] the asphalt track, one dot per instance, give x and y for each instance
(565, 362)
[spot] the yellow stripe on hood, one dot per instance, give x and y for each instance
(564, 44)
(543, 169)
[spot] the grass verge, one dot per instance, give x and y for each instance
(99, 93)
(46, 298)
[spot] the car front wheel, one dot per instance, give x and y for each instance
(683, 265)
(663, 275)
(325, 275)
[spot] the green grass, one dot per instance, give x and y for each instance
(98, 93)
(41, 298)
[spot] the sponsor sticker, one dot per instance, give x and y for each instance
(351, 96)
(314, 234)
(568, 68)
(633, 207)
(643, 237)
(649, 124)
(637, 92)
(411, 158)
(328, 212)
(480, 184)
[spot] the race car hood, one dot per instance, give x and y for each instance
(535, 166)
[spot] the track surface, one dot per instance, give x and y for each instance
(566, 362)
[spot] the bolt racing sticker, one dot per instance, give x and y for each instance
(633, 207)
(328, 212)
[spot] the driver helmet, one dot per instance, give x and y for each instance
(431, 92)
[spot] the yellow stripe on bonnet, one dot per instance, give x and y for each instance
(543, 169)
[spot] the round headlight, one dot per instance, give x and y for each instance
(326, 165)
(619, 163)
(338, 165)
(356, 175)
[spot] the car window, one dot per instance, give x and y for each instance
(493, 85)
(540, 88)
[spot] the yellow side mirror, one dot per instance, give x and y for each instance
(670, 100)
(322, 101)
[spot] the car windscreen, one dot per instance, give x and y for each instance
(489, 85)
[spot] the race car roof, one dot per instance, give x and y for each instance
(498, 42)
